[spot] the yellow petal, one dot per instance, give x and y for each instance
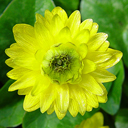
(42, 20)
(25, 81)
(62, 99)
(103, 98)
(74, 22)
(96, 41)
(22, 58)
(116, 56)
(82, 50)
(91, 99)
(17, 73)
(77, 126)
(78, 94)
(103, 88)
(95, 121)
(98, 119)
(102, 75)
(10, 63)
(62, 14)
(82, 125)
(42, 82)
(104, 127)
(89, 66)
(56, 25)
(16, 51)
(99, 56)
(24, 91)
(104, 46)
(48, 15)
(64, 36)
(58, 113)
(39, 55)
(73, 107)
(31, 103)
(94, 29)
(89, 108)
(50, 109)
(29, 63)
(46, 98)
(90, 84)
(81, 37)
(43, 36)
(25, 36)
(86, 24)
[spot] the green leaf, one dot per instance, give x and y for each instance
(2, 127)
(121, 120)
(112, 19)
(68, 5)
(115, 90)
(125, 87)
(3, 4)
(18, 11)
(11, 110)
(124, 99)
(38, 120)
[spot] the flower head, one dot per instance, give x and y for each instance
(60, 63)
(96, 121)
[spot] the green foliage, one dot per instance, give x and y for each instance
(115, 90)
(38, 120)
(18, 11)
(3, 4)
(11, 110)
(112, 17)
(121, 120)
(68, 5)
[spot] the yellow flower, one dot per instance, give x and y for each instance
(96, 121)
(60, 63)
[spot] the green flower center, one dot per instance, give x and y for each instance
(63, 64)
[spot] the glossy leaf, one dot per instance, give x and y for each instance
(68, 5)
(121, 120)
(11, 110)
(3, 5)
(18, 11)
(38, 120)
(114, 90)
(112, 19)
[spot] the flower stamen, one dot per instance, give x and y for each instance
(64, 64)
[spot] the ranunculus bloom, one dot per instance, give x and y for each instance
(60, 63)
(96, 121)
